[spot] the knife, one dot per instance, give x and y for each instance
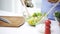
(5, 20)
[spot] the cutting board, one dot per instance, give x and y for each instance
(16, 21)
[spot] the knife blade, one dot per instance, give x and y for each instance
(5, 20)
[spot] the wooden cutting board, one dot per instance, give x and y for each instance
(16, 21)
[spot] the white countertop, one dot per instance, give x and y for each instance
(26, 29)
(10, 13)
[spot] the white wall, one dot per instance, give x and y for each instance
(6, 5)
(16, 7)
(37, 3)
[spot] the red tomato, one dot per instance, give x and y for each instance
(48, 22)
(47, 32)
(47, 26)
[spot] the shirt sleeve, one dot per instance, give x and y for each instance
(46, 6)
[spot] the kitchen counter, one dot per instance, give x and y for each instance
(10, 13)
(26, 29)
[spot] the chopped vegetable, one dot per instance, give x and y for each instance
(34, 18)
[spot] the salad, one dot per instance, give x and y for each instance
(34, 18)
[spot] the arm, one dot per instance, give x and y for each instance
(53, 1)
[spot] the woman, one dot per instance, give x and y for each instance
(47, 5)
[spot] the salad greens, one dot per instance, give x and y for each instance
(37, 14)
(34, 18)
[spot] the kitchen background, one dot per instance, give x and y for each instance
(15, 8)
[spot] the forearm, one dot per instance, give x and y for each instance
(53, 1)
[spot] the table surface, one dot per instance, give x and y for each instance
(26, 29)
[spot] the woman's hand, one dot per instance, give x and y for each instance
(53, 1)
